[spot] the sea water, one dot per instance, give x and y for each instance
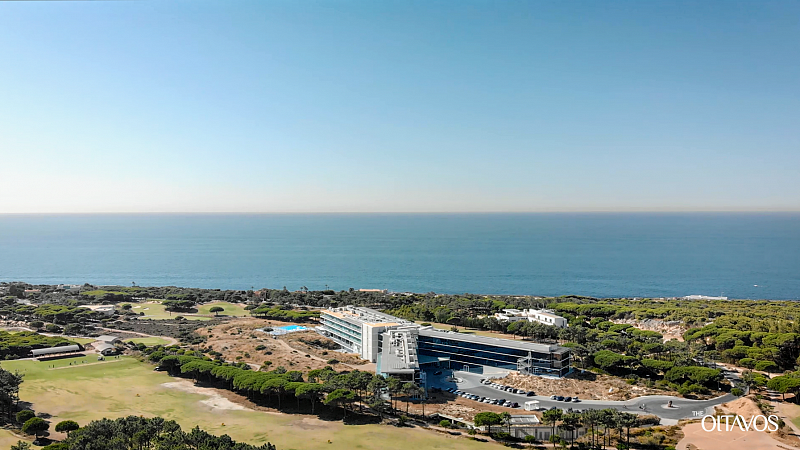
(594, 254)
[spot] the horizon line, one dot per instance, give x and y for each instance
(553, 211)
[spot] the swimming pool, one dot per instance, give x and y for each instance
(277, 331)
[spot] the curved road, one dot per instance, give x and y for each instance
(682, 408)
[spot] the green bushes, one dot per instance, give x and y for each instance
(289, 315)
(694, 375)
(766, 366)
(25, 415)
(19, 345)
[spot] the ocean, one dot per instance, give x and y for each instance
(737, 255)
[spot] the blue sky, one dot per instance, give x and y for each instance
(364, 106)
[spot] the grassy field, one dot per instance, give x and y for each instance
(155, 310)
(91, 390)
(231, 309)
(149, 341)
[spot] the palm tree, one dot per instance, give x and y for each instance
(505, 417)
(395, 386)
(629, 420)
(551, 417)
(409, 390)
(570, 422)
(590, 418)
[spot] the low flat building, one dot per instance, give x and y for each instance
(467, 350)
(107, 310)
(108, 339)
(105, 349)
(532, 315)
(55, 351)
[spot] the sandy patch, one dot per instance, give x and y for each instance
(215, 401)
(744, 407)
(727, 440)
(604, 387)
(308, 423)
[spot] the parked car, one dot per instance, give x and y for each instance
(514, 405)
(568, 399)
(438, 372)
(575, 399)
(560, 398)
(553, 397)
(531, 394)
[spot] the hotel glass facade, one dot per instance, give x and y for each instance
(464, 351)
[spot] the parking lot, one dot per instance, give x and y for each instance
(469, 386)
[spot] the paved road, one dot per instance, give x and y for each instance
(652, 404)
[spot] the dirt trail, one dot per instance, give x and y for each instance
(172, 340)
(74, 366)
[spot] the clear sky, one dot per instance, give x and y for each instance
(361, 106)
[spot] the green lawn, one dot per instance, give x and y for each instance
(149, 341)
(231, 309)
(82, 341)
(120, 387)
(156, 311)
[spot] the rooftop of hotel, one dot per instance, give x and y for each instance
(366, 315)
(399, 352)
(485, 340)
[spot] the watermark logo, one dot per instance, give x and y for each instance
(727, 423)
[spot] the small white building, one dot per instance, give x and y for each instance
(532, 315)
(545, 317)
(107, 310)
(510, 315)
(111, 340)
(105, 349)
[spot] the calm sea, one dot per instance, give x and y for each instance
(602, 255)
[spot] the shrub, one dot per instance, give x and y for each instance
(260, 347)
(444, 424)
(333, 361)
(737, 392)
(747, 362)
(766, 366)
(25, 415)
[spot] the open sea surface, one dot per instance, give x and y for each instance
(597, 254)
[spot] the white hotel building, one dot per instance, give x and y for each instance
(400, 347)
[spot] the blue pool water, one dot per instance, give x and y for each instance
(277, 331)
